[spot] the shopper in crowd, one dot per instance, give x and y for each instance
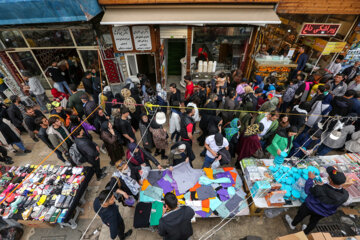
(174, 124)
(159, 134)
(105, 207)
(213, 144)
(36, 89)
(11, 137)
(270, 124)
(30, 116)
(180, 152)
(249, 144)
(342, 105)
(350, 72)
(16, 113)
(355, 84)
(90, 151)
(334, 68)
(284, 122)
(306, 143)
(270, 105)
(57, 133)
(189, 89)
(89, 108)
(300, 59)
(206, 115)
(137, 157)
(175, 95)
(75, 100)
(42, 134)
(232, 133)
(321, 93)
(123, 128)
(289, 95)
(147, 138)
(298, 115)
(337, 86)
(100, 117)
(187, 125)
(229, 105)
(282, 142)
(176, 221)
(318, 110)
(195, 102)
(161, 97)
(322, 199)
(112, 145)
(59, 78)
(58, 111)
(76, 123)
(87, 82)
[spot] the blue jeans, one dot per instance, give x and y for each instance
(20, 145)
(208, 161)
(61, 85)
(323, 150)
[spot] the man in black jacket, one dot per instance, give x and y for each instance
(187, 125)
(175, 94)
(30, 116)
(109, 213)
(175, 223)
(89, 107)
(342, 105)
(15, 114)
(351, 72)
(90, 151)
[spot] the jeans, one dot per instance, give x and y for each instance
(175, 134)
(20, 145)
(323, 150)
(303, 212)
(61, 85)
(208, 161)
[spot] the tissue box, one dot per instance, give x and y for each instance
(275, 198)
(260, 188)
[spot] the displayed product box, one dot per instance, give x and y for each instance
(295, 236)
(275, 198)
(260, 189)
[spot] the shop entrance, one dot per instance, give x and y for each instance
(141, 63)
(176, 51)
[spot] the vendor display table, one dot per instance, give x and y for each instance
(263, 170)
(210, 192)
(52, 194)
(265, 67)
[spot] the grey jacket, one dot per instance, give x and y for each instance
(35, 86)
(56, 138)
(334, 144)
(338, 90)
(353, 145)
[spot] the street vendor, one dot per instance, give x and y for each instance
(282, 142)
(322, 200)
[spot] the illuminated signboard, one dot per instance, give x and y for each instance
(320, 29)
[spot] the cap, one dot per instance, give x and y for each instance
(56, 104)
(336, 177)
(219, 139)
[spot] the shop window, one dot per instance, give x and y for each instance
(90, 59)
(12, 39)
(84, 37)
(25, 62)
(225, 45)
(48, 38)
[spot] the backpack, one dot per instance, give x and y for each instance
(75, 155)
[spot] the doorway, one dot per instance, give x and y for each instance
(141, 63)
(176, 51)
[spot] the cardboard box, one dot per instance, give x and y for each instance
(320, 236)
(36, 224)
(295, 236)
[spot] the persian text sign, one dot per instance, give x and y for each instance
(142, 37)
(122, 38)
(320, 29)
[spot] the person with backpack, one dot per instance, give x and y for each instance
(44, 125)
(90, 151)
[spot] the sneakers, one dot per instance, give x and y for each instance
(27, 150)
(102, 176)
(289, 221)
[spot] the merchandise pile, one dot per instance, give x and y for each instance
(210, 192)
(46, 195)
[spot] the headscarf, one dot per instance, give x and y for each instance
(253, 129)
(134, 157)
(233, 129)
(130, 82)
(144, 123)
(105, 126)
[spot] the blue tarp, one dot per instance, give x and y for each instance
(47, 11)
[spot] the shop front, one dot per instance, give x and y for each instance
(169, 38)
(325, 37)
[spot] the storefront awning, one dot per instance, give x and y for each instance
(47, 11)
(190, 15)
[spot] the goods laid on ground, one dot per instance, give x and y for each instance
(50, 194)
(210, 192)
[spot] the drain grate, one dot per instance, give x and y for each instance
(335, 229)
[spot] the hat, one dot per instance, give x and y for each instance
(258, 90)
(160, 118)
(56, 104)
(219, 139)
(336, 177)
(84, 96)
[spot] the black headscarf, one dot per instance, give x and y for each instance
(144, 123)
(105, 126)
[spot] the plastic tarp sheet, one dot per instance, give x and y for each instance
(47, 11)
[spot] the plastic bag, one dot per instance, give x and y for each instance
(215, 164)
(144, 172)
(274, 212)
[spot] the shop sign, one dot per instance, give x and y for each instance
(142, 37)
(319, 44)
(122, 38)
(333, 47)
(320, 29)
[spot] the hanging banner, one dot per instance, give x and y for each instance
(142, 37)
(320, 29)
(333, 47)
(122, 38)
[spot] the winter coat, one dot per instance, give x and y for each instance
(290, 93)
(270, 105)
(297, 120)
(338, 90)
(280, 141)
(15, 115)
(176, 225)
(339, 143)
(113, 147)
(147, 136)
(353, 145)
(319, 108)
(87, 148)
(12, 128)
(159, 137)
(324, 199)
(10, 136)
(55, 138)
(75, 102)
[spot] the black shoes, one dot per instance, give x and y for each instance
(35, 139)
(27, 151)
(127, 234)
